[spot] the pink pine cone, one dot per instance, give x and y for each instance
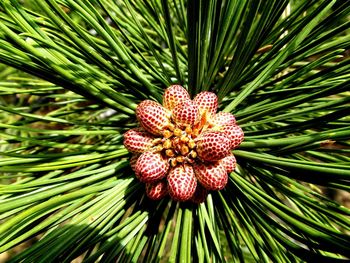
(133, 161)
(223, 118)
(181, 182)
(234, 133)
(151, 167)
(152, 116)
(229, 162)
(174, 95)
(157, 190)
(212, 176)
(190, 136)
(207, 102)
(185, 113)
(137, 141)
(213, 146)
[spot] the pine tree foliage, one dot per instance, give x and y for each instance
(73, 72)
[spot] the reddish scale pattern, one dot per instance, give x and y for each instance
(190, 137)
(182, 182)
(199, 195)
(213, 145)
(234, 133)
(212, 176)
(185, 113)
(174, 95)
(152, 116)
(157, 190)
(151, 167)
(207, 101)
(229, 162)
(223, 118)
(133, 161)
(137, 141)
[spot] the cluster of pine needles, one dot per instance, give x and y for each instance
(71, 75)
